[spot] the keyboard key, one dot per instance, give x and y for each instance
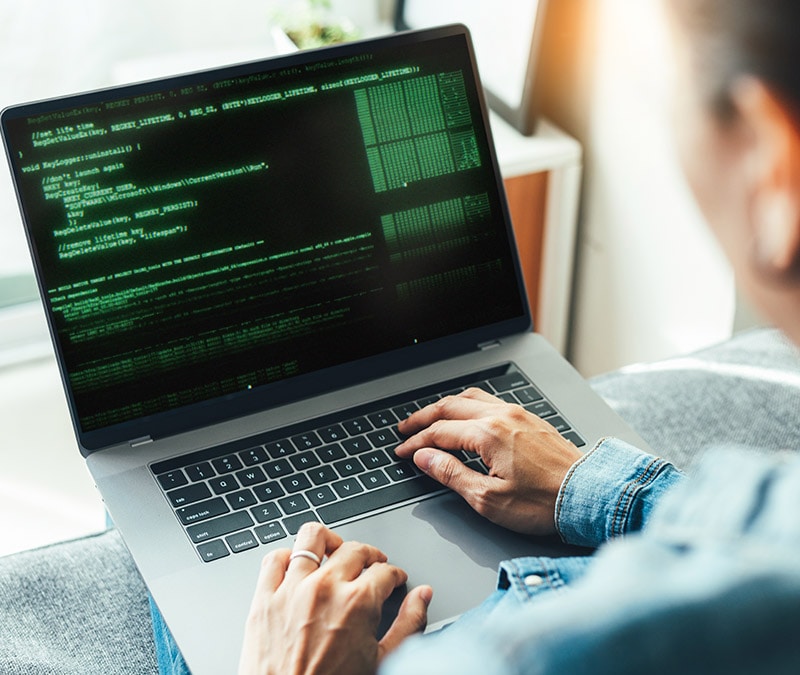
(241, 499)
(306, 441)
(559, 423)
(574, 438)
(508, 397)
(269, 491)
(202, 511)
(322, 474)
(405, 410)
(211, 529)
(375, 459)
(189, 494)
(253, 456)
(213, 550)
(266, 512)
(223, 484)
(402, 470)
(330, 452)
(384, 418)
(348, 488)
(357, 445)
(375, 499)
(542, 409)
(322, 495)
(294, 523)
(200, 471)
(293, 504)
(332, 434)
(305, 460)
(270, 532)
(481, 385)
(382, 437)
(357, 426)
(428, 400)
(278, 468)
(241, 541)
(279, 449)
(251, 476)
(508, 382)
(295, 483)
(349, 467)
(528, 395)
(374, 479)
(226, 464)
(173, 479)
(477, 465)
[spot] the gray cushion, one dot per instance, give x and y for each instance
(75, 607)
(745, 391)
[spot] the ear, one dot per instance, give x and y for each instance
(774, 180)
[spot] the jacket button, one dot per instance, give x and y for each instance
(533, 580)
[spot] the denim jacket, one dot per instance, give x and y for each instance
(706, 578)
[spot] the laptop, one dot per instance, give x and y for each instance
(250, 275)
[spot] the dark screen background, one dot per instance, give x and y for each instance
(209, 238)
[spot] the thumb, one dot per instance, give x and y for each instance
(449, 471)
(412, 618)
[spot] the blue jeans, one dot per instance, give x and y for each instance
(169, 657)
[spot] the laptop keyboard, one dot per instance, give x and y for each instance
(244, 494)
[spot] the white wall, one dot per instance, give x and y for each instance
(53, 47)
(651, 282)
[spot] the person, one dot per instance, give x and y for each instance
(706, 577)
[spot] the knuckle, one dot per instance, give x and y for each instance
(483, 498)
(516, 413)
(440, 407)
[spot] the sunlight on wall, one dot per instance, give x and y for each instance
(651, 282)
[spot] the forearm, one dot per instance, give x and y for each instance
(612, 490)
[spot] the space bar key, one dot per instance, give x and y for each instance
(370, 501)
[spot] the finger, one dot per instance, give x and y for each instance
(445, 435)
(316, 539)
(273, 570)
(461, 407)
(351, 558)
(451, 473)
(383, 578)
(412, 618)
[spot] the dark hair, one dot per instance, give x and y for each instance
(732, 38)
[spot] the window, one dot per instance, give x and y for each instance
(54, 47)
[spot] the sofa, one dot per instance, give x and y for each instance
(81, 607)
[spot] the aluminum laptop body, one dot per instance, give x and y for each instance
(234, 257)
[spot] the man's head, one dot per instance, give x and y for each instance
(737, 104)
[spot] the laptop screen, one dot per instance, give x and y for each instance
(205, 236)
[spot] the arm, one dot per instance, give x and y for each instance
(711, 585)
(538, 482)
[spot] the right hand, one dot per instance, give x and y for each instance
(527, 458)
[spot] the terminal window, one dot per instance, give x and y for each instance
(209, 238)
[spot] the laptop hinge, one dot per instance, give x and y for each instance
(136, 442)
(483, 346)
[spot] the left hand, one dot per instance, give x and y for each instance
(307, 618)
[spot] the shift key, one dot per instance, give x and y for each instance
(219, 526)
